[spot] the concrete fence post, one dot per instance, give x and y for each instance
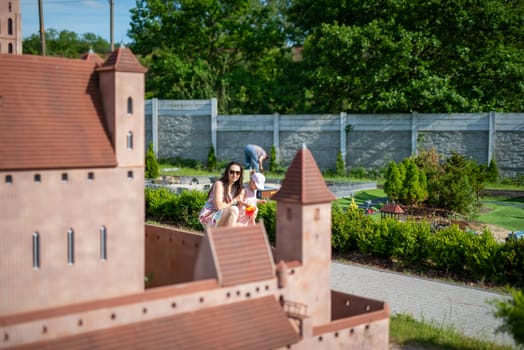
(276, 136)
(491, 135)
(214, 113)
(414, 133)
(154, 125)
(343, 136)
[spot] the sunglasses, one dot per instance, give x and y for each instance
(234, 172)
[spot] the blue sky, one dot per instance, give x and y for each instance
(79, 16)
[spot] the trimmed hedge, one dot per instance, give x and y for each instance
(410, 244)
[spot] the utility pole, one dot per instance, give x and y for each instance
(42, 30)
(111, 25)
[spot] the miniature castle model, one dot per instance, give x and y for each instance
(10, 27)
(74, 249)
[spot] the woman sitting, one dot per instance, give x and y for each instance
(221, 206)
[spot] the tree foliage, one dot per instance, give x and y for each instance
(450, 184)
(320, 56)
(65, 44)
(394, 181)
(402, 56)
(232, 50)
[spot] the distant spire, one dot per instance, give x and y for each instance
(304, 145)
(91, 51)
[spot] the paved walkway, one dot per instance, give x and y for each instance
(445, 304)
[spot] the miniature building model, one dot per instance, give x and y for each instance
(393, 210)
(10, 27)
(74, 249)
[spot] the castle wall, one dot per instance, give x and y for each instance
(113, 199)
(170, 255)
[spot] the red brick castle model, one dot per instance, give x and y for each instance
(74, 249)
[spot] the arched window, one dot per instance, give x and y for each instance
(129, 140)
(129, 105)
(10, 7)
(10, 48)
(10, 26)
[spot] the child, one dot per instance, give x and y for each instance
(250, 201)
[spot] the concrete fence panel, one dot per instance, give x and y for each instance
(188, 129)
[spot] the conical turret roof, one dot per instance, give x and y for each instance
(304, 182)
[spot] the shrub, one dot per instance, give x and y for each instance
(358, 172)
(340, 169)
(156, 199)
(492, 171)
(512, 314)
(211, 159)
(268, 212)
(273, 158)
(446, 249)
(341, 230)
(408, 241)
(152, 169)
(510, 261)
(480, 253)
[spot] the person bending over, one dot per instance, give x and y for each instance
(255, 156)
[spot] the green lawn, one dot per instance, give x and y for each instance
(405, 330)
(507, 216)
(505, 212)
(362, 196)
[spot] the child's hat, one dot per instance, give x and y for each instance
(259, 179)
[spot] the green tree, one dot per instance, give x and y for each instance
(152, 169)
(65, 44)
(492, 171)
(394, 181)
(478, 177)
(400, 56)
(455, 190)
(197, 49)
(413, 192)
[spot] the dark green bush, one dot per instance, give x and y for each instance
(340, 231)
(409, 241)
(186, 208)
(268, 212)
(348, 228)
(480, 253)
(446, 249)
(340, 167)
(510, 262)
(410, 244)
(151, 168)
(183, 162)
(211, 160)
(156, 199)
(177, 209)
(512, 314)
(273, 159)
